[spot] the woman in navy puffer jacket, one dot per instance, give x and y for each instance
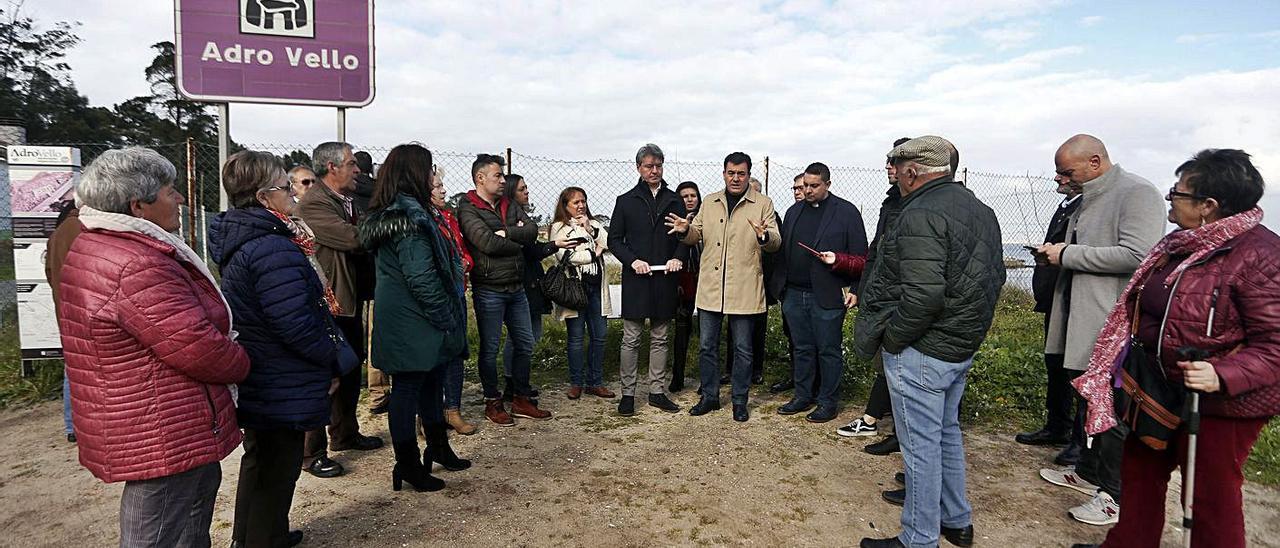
(282, 314)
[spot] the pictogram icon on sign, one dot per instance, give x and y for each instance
(293, 18)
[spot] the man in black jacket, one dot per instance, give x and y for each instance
(496, 231)
(927, 305)
(650, 287)
(814, 298)
(1058, 392)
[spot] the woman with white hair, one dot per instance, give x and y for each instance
(149, 352)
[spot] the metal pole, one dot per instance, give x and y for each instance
(766, 175)
(342, 124)
(509, 168)
(224, 145)
(191, 196)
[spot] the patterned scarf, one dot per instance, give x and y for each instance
(1095, 385)
(306, 242)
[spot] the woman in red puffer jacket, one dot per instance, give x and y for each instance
(149, 352)
(1213, 285)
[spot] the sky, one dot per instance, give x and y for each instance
(834, 81)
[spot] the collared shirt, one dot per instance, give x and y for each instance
(348, 203)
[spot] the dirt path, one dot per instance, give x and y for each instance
(589, 478)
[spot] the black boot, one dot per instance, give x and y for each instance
(409, 469)
(438, 449)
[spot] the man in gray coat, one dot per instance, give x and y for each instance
(1120, 217)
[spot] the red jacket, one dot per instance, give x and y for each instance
(147, 358)
(1241, 284)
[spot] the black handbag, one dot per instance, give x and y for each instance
(563, 285)
(1147, 402)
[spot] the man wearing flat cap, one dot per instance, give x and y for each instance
(926, 306)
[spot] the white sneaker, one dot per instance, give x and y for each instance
(857, 428)
(1101, 510)
(1067, 477)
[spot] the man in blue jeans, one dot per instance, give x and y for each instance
(735, 226)
(814, 297)
(495, 229)
(928, 303)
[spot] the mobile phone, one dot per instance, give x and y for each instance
(580, 239)
(815, 252)
(1030, 248)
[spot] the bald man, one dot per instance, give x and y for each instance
(1121, 215)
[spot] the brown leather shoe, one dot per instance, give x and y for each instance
(600, 392)
(522, 407)
(453, 417)
(574, 392)
(496, 414)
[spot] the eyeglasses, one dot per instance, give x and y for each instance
(1175, 193)
(797, 188)
(275, 188)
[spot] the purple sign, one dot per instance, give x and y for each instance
(307, 52)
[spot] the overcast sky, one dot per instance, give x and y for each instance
(1006, 80)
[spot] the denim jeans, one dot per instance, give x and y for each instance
(453, 373)
(66, 404)
(926, 393)
(493, 310)
(591, 373)
(509, 347)
(709, 354)
(414, 394)
(816, 333)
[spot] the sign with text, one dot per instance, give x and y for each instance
(299, 52)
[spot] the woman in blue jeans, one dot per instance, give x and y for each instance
(574, 222)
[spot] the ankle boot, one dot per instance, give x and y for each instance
(453, 417)
(409, 469)
(438, 449)
(527, 408)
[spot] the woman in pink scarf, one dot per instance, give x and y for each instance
(1214, 285)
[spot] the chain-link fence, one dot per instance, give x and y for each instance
(1022, 203)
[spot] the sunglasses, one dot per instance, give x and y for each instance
(306, 182)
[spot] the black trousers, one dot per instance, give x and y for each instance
(268, 473)
(415, 394)
(683, 324)
(878, 402)
(343, 426)
(1059, 395)
(1100, 463)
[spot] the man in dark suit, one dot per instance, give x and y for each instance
(1058, 393)
(651, 258)
(814, 298)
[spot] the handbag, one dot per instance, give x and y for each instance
(563, 285)
(1149, 404)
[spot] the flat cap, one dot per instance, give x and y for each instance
(928, 151)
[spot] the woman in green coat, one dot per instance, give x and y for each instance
(419, 315)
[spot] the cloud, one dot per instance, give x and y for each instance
(1010, 36)
(1091, 20)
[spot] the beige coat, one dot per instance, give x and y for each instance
(730, 275)
(583, 258)
(324, 213)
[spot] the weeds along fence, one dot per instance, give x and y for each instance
(1022, 203)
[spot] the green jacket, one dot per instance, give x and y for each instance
(419, 317)
(936, 278)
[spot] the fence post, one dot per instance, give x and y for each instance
(509, 168)
(766, 175)
(191, 195)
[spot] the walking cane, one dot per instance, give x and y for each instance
(1193, 429)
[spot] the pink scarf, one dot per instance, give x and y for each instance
(1095, 385)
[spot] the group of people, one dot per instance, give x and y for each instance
(325, 267)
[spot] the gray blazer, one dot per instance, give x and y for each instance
(1122, 215)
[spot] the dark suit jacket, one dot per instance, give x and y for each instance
(1045, 277)
(841, 230)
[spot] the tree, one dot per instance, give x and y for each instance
(296, 158)
(35, 85)
(187, 118)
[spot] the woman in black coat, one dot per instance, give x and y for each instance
(691, 198)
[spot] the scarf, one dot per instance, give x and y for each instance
(117, 222)
(306, 242)
(1095, 385)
